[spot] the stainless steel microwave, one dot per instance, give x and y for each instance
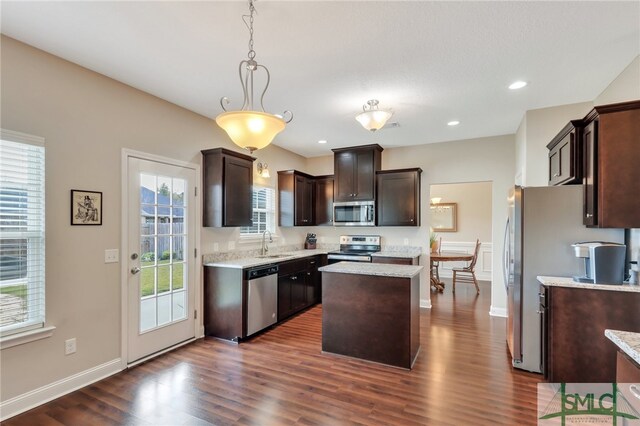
(354, 213)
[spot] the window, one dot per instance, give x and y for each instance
(264, 212)
(21, 232)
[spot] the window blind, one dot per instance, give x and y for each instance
(264, 207)
(22, 233)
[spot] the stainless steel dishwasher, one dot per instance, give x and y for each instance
(262, 297)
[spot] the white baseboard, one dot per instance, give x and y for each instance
(498, 312)
(32, 399)
(425, 303)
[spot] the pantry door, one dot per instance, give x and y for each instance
(161, 256)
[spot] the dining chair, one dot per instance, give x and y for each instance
(467, 273)
(436, 264)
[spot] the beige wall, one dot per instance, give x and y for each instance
(87, 119)
(626, 87)
(473, 210)
(473, 160)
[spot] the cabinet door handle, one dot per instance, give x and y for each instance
(589, 215)
(539, 312)
(411, 220)
(309, 273)
(556, 175)
(294, 278)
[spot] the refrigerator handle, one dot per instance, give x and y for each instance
(506, 256)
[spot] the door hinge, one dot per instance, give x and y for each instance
(195, 314)
(195, 191)
(195, 252)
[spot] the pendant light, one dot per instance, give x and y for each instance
(248, 128)
(373, 118)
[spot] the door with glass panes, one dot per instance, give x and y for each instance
(161, 256)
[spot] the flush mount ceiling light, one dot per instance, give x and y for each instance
(248, 128)
(322, 141)
(373, 118)
(517, 85)
(263, 170)
(453, 123)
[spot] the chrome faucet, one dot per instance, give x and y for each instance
(264, 248)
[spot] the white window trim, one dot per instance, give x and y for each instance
(41, 332)
(253, 238)
(26, 337)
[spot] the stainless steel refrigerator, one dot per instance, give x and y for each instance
(543, 222)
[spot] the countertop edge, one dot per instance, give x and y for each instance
(373, 269)
(569, 283)
(621, 340)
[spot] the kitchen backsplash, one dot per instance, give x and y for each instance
(241, 254)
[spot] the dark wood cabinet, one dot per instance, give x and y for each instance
(627, 370)
(611, 138)
(565, 155)
(227, 188)
(298, 285)
(324, 200)
(296, 198)
(575, 349)
(225, 294)
(355, 170)
(398, 197)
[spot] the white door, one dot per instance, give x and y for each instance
(161, 256)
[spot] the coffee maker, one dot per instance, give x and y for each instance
(603, 262)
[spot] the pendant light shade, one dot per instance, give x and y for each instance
(373, 118)
(250, 130)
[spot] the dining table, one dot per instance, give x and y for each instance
(445, 256)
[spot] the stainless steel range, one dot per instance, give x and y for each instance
(355, 248)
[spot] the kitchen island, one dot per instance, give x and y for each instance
(372, 311)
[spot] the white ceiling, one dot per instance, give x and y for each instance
(431, 62)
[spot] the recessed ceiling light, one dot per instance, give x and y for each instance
(517, 85)
(322, 141)
(453, 123)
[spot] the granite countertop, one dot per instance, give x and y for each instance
(403, 252)
(569, 282)
(377, 269)
(250, 262)
(628, 341)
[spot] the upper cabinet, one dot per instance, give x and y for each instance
(565, 155)
(355, 172)
(324, 200)
(611, 142)
(296, 198)
(227, 193)
(398, 200)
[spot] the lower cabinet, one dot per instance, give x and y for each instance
(299, 285)
(574, 345)
(627, 370)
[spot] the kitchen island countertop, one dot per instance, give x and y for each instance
(627, 341)
(375, 269)
(569, 282)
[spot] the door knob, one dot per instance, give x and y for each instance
(135, 270)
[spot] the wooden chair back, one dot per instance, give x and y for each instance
(472, 265)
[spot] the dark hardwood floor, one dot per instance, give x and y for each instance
(462, 377)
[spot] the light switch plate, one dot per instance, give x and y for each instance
(232, 245)
(216, 247)
(111, 256)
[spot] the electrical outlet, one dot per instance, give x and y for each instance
(111, 256)
(406, 241)
(216, 247)
(232, 245)
(70, 346)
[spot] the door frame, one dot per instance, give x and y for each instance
(124, 248)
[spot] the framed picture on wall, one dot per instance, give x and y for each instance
(86, 207)
(444, 217)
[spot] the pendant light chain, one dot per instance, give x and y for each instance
(252, 10)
